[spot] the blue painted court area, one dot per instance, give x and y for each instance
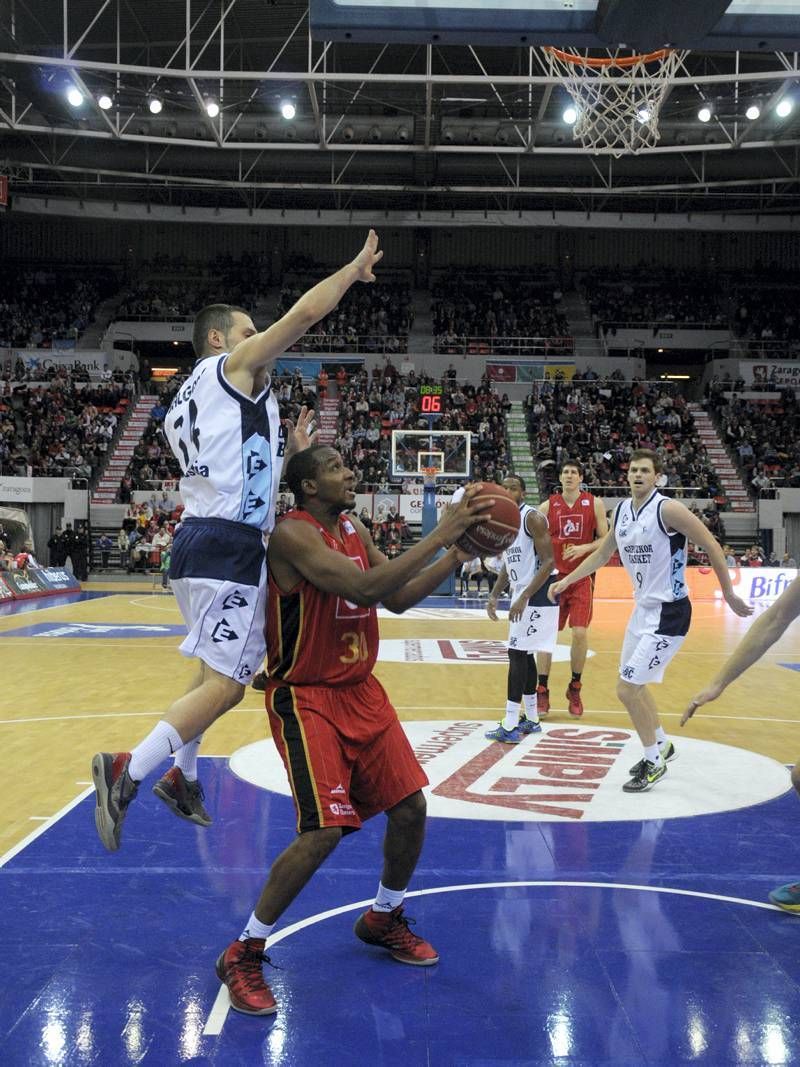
(605, 943)
(96, 629)
(24, 607)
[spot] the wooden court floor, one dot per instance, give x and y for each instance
(64, 697)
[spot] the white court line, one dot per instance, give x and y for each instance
(51, 821)
(221, 1006)
(38, 818)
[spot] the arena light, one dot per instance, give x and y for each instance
(104, 102)
(784, 107)
(704, 114)
(288, 110)
(74, 96)
(570, 116)
(212, 108)
(155, 105)
(753, 112)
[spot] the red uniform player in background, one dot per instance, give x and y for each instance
(577, 523)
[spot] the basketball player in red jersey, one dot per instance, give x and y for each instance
(345, 752)
(577, 523)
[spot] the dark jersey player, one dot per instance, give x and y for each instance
(577, 523)
(345, 752)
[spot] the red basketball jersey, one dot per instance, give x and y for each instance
(316, 638)
(574, 524)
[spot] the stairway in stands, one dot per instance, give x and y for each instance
(106, 490)
(729, 478)
(520, 450)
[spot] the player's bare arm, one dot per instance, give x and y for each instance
(598, 559)
(296, 551)
(764, 632)
(497, 589)
(678, 517)
(601, 522)
(252, 355)
(536, 526)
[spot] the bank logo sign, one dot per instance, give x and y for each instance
(568, 773)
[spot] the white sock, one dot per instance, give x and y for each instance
(531, 708)
(661, 737)
(186, 759)
(162, 742)
(256, 929)
(388, 899)
(511, 720)
(652, 754)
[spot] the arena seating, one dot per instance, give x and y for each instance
(761, 436)
(42, 306)
(658, 297)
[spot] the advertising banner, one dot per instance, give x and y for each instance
(774, 375)
(91, 360)
(511, 371)
(36, 581)
(760, 584)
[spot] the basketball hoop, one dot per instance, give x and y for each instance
(617, 98)
(429, 475)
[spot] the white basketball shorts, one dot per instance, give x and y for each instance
(537, 630)
(218, 573)
(653, 636)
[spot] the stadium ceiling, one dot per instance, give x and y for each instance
(403, 125)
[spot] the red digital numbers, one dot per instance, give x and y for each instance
(430, 405)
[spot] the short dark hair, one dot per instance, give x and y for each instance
(213, 317)
(302, 466)
(576, 463)
(648, 453)
(517, 478)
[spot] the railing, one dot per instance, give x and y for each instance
(504, 345)
(341, 344)
(659, 324)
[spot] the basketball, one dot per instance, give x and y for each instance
(498, 528)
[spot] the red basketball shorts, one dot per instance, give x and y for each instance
(345, 752)
(575, 603)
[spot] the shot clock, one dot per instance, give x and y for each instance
(430, 400)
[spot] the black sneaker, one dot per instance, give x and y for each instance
(647, 774)
(183, 797)
(668, 753)
(114, 790)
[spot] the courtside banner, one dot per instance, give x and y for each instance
(53, 579)
(5, 592)
(36, 581)
(763, 584)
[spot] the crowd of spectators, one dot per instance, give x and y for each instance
(368, 318)
(496, 309)
(600, 422)
(173, 287)
(656, 296)
(761, 436)
(41, 307)
(60, 430)
(766, 314)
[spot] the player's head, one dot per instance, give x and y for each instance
(219, 328)
(319, 474)
(515, 484)
(570, 474)
(644, 467)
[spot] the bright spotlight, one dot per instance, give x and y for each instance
(644, 114)
(155, 105)
(753, 112)
(288, 110)
(704, 114)
(212, 109)
(74, 96)
(784, 107)
(104, 102)
(570, 116)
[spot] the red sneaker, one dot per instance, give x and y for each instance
(390, 931)
(542, 700)
(239, 968)
(574, 702)
(114, 790)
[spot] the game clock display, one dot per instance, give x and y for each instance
(430, 399)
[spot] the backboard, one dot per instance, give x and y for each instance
(448, 451)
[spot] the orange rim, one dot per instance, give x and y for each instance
(620, 61)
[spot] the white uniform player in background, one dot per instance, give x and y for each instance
(225, 430)
(533, 621)
(651, 533)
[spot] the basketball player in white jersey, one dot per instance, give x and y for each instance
(533, 622)
(226, 433)
(651, 533)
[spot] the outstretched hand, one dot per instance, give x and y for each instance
(304, 434)
(710, 693)
(738, 606)
(368, 257)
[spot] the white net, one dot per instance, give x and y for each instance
(617, 98)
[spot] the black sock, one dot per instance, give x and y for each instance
(576, 676)
(543, 680)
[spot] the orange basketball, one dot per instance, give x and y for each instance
(498, 528)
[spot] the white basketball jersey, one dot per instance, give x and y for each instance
(520, 559)
(230, 447)
(654, 558)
